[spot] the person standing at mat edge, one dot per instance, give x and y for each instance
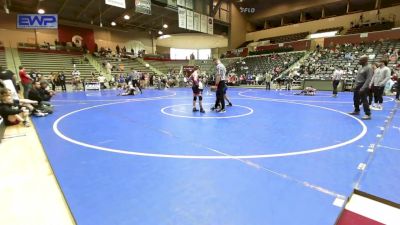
(378, 82)
(220, 77)
(362, 88)
(26, 81)
(337, 76)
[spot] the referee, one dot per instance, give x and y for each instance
(135, 80)
(220, 83)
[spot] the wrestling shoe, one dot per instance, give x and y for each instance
(354, 113)
(195, 110)
(366, 117)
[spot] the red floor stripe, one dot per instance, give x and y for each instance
(351, 218)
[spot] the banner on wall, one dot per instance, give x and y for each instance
(181, 2)
(203, 23)
(196, 21)
(116, 3)
(189, 4)
(37, 21)
(143, 6)
(210, 25)
(182, 17)
(171, 2)
(189, 20)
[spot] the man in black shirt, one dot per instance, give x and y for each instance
(36, 95)
(34, 75)
(361, 89)
(61, 78)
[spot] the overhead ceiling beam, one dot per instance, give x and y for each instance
(151, 20)
(137, 18)
(108, 9)
(215, 9)
(85, 8)
(62, 7)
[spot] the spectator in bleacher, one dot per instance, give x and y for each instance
(26, 81)
(108, 67)
(117, 50)
(34, 75)
(8, 75)
(361, 89)
(378, 82)
(337, 76)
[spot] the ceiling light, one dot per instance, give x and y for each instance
(101, 24)
(165, 26)
(127, 17)
(113, 23)
(41, 11)
(160, 32)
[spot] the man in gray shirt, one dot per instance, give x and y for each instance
(378, 82)
(362, 88)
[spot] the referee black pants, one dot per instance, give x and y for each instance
(220, 95)
(335, 84)
(361, 97)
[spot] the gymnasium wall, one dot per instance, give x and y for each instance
(268, 10)
(356, 38)
(11, 36)
(237, 34)
(313, 26)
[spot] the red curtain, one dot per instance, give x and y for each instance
(65, 34)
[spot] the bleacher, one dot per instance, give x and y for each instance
(124, 65)
(370, 27)
(46, 63)
(321, 65)
(168, 66)
(244, 44)
(3, 62)
(339, 29)
(264, 63)
(286, 38)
